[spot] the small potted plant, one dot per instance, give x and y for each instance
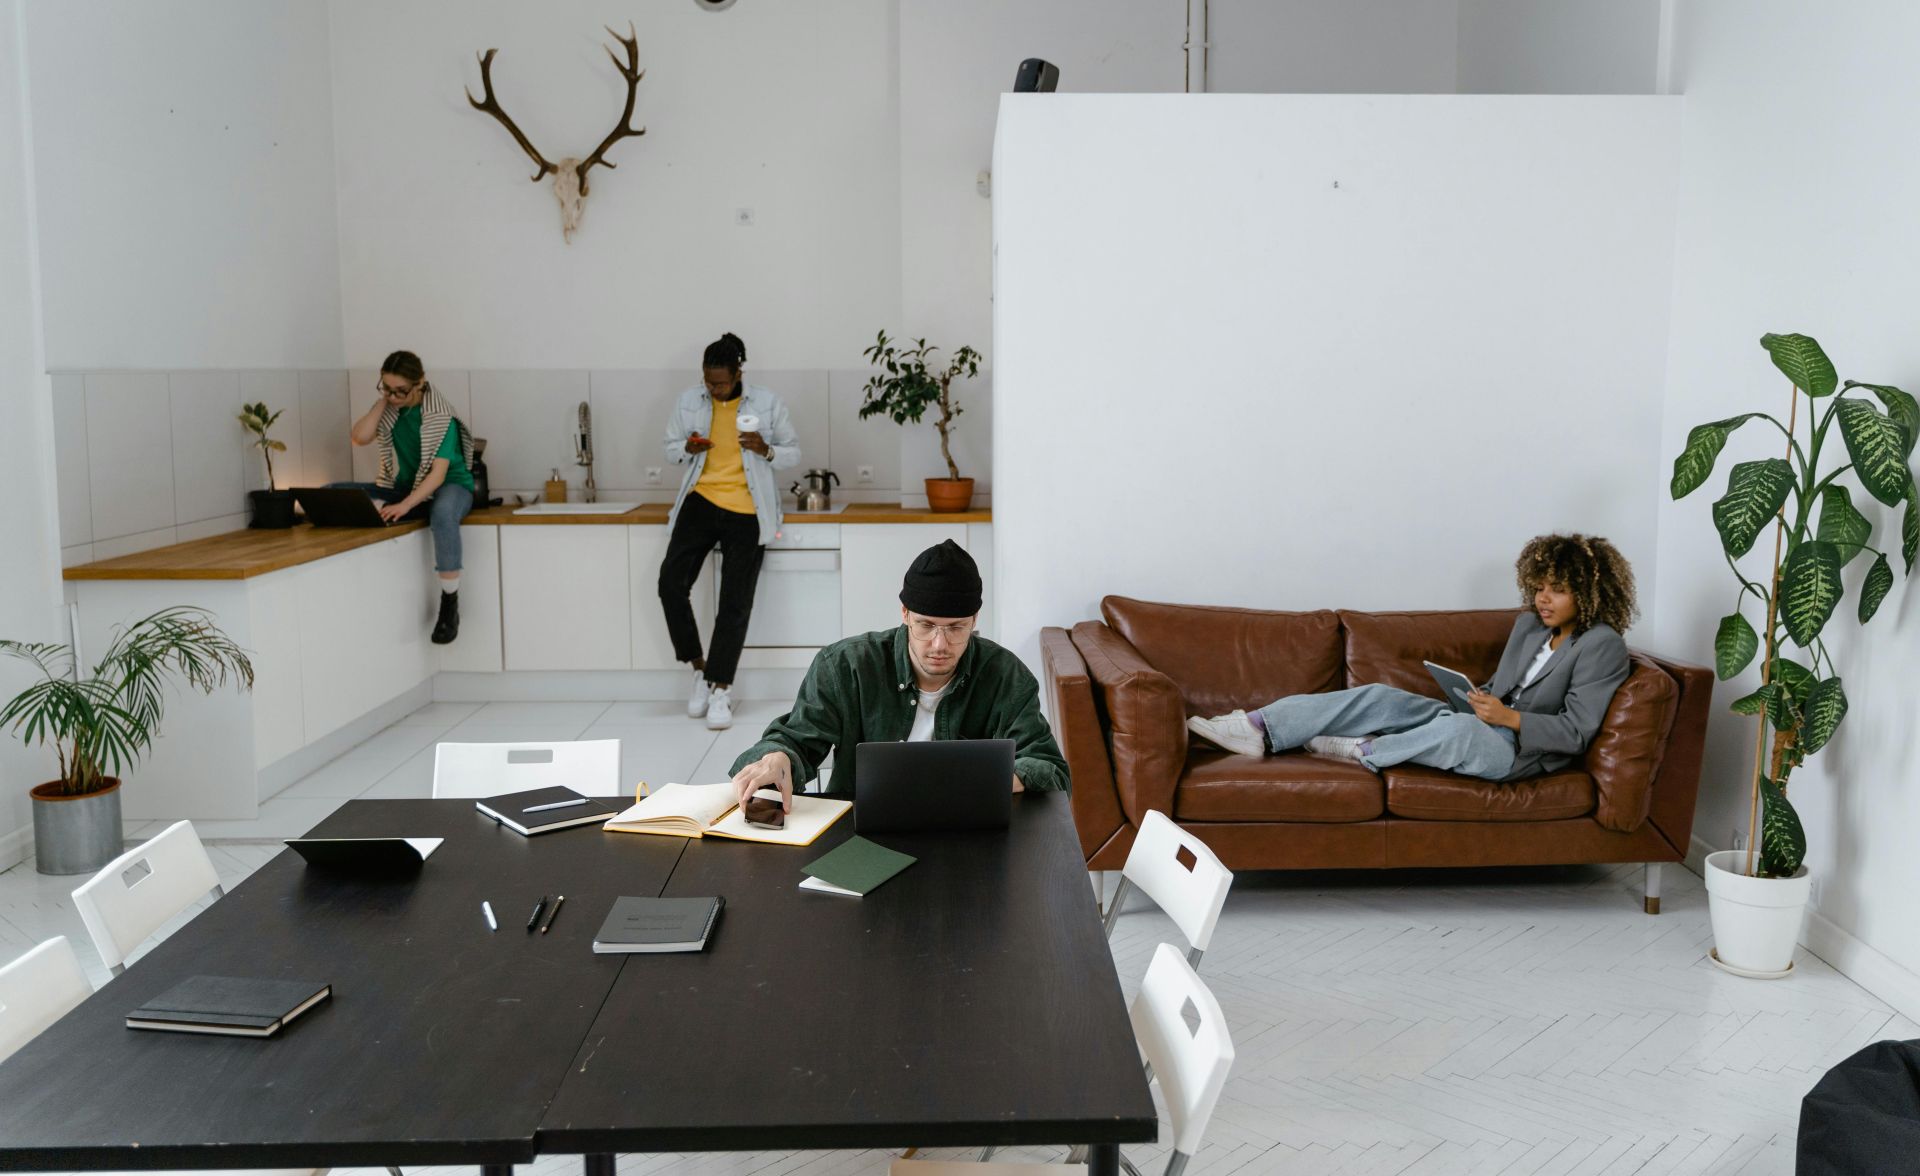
(1757, 897)
(272, 507)
(908, 387)
(101, 724)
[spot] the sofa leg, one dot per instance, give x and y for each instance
(1653, 888)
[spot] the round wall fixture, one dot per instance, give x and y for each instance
(713, 5)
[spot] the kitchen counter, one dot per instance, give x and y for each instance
(655, 514)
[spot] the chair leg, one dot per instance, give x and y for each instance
(1113, 905)
(1653, 888)
(986, 1153)
(393, 1171)
(1077, 1154)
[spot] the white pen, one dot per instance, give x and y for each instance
(541, 808)
(486, 908)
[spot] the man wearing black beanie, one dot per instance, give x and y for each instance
(933, 677)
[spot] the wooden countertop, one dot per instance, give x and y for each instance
(240, 555)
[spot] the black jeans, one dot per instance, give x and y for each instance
(701, 527)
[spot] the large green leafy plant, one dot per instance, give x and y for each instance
(1817, 532)
(100, 725)
(911, 386)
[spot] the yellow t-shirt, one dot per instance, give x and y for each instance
(723, 481)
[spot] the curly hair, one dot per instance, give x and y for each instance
(1589, 567)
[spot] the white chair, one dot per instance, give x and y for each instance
(135, 893)
(475, 771)
(1181, 875)
(1189, 1064)
(46, 984)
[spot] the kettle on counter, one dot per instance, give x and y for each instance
(818, 496)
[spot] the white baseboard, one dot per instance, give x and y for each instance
(16, 847)
(603, 685)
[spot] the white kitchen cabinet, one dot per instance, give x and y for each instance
(873, 561)
(478, 646)
(565, 597)
(652, 648)
(273, 622)
(364, 631)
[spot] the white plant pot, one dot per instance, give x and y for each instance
(1756, 921)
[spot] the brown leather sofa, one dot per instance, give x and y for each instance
(1121, 692)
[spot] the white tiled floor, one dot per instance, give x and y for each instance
(1509, 1021)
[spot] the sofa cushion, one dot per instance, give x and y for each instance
(1228, 658)
(1219, 786)
(1429, 794)
(1625, 753)
(1388, 647)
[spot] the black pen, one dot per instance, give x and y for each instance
(533, 920)
(551, 912)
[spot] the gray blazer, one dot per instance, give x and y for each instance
(1563, 709)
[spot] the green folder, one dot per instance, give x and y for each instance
(856, 866)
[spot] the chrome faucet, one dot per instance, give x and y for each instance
(583, 452)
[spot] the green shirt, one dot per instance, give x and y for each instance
(861, 690)
(406, 451)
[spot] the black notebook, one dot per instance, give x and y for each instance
(228, 1005)
(543, 810)
(658, 924)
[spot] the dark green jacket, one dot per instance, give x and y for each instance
(861, 690)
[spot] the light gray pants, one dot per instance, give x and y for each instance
(1405, 726)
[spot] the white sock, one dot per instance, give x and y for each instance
(450, 583)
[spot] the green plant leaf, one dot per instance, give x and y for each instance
(1825, 708)
(1734, 645)
(1810, 587)
(1878, 448)
(1901, 408)
(1755, 703)
(1800, 357)
(1783, 709)
(1910, 530)
(1874, 588)
(1704, 444)
(1783, 841)
(1796, 678)
(1755, 492)
(1841, 524)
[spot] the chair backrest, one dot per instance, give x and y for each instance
(38, 989)
(590, 767)
(1189, 1062)
(1178, 872)
(135, 893)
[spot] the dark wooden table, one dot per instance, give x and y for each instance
(971, 1000)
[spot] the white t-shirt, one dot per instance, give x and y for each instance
(1539, 663)
(923, 715)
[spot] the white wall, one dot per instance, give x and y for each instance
(1331, 46)
(184, 155)
(1795, 214)
(1227, 380)
(1558, 46)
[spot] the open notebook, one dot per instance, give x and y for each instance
(708, 810)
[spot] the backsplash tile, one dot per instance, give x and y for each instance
(70, 459)
(529, 419)
(208, 441)
(630, 411)
(323, 427)
(855, 442)
(129, 453)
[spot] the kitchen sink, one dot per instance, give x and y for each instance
(577, 508)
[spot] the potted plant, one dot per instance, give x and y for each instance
(272, 507)
(100, 725)
(905, 391)
(1757, 897)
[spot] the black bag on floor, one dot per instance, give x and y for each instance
(1864, 1116)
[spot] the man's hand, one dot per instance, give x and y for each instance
(393, 512)
(772, 770)
(1493, 712)
(698, 444)
(755, 443)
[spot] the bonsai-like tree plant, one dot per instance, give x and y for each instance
(101, 724)
(258, 420)
(911, 384)
(1800, 699)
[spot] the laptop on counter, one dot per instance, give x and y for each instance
(343, 507)
(948, 784)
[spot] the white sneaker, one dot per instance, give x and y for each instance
(1231, 731)
(719, 709)
(697, 701)
(1336, 746)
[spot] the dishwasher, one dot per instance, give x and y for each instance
(797, 601)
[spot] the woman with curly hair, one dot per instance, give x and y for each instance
(1563, 661)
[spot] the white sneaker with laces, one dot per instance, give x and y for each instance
(697, 700)
(1231, 731)
(1336, 746)
(719, 709)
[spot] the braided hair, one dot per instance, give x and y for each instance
(725, 352)
(1591, 569)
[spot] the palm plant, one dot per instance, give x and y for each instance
(911, 386)
(102, 724)
(258, 420)
(1802, 702)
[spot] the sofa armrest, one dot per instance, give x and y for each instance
(1625, 755)
(1146, 720)
(1083, 740)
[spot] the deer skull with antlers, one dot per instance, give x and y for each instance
(570, 175)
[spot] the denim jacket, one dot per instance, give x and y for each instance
(694, 413)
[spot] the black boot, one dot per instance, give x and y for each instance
(448, 626)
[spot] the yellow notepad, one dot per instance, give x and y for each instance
(709, 810)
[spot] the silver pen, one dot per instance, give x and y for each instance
(541, 808)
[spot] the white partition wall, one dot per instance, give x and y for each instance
(1301, 351)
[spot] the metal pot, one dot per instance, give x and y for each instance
(818, 496)
(76, 834)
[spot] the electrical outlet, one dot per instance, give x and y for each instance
(863, 474)
(743, 217)
(1739, 839)
(653, 475)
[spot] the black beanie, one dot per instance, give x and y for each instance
(943, 582)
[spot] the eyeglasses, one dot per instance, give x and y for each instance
(956, 632)
(395, 393)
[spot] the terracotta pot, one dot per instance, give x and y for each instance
(76, 834)
(948, 495)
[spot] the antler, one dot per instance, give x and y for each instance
(491, 106)
(633, 73)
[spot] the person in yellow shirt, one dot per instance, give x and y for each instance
(731, 436)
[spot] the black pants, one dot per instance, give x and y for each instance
(701, 527)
